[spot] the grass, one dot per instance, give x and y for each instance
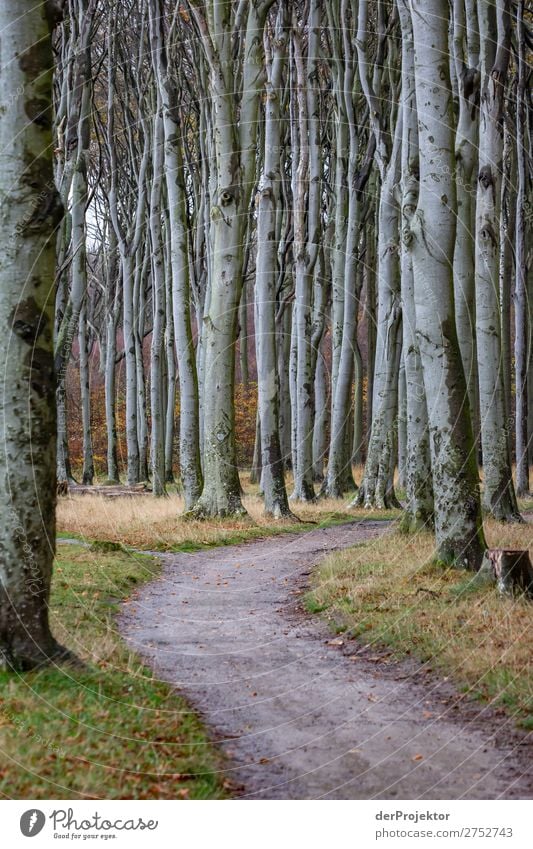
(390, 592)
(156, 524)
(111, 730)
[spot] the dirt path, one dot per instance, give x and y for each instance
(296, 717)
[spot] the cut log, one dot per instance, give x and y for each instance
(117, 491)
(511, 569)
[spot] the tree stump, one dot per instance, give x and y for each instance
(511, 569)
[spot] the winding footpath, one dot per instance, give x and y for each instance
(296, 714)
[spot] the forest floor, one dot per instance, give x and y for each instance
(299, 712)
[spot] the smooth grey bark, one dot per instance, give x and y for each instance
(141, 278)
(458, 523)
(112, 296)
(306, 145)
(358, 429)
(31, 211)
(522, 330)
(402, 425)
(171, 376)
(507, 257)
(466, 64)
(157, 405)
(499, 497)
(418, 483)
(272, 473)
(189, 424)
(85, 394)
(243, 336)
(320, 441)
(284, 323)
(370, 311)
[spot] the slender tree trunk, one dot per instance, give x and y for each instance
(375, 490)
(157, 406)
(272, 478)
(418, 476)
(284, 353)
(321, 419)
(499, 497)
(189, 437)
(522, 330)
(306, 193)
(85, 392)
(171, 367)
(466, 64)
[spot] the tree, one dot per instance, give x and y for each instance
(31, 211)
(499, 497)
(272, 477)
(458, 523)
(230, 40)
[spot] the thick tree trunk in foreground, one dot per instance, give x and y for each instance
(458, 525)
(30, 212)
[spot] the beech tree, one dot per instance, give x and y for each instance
(458, 524)
(31, 211)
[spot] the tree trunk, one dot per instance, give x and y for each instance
(466, 63)
(522, 330)
(272, 477)
(418, 511)
(306, 145)
(85, 392)
(499, 497)
(31, 211)
(157, 406)
(458, 524)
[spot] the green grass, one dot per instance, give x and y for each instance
(390, 592)
(108, 731)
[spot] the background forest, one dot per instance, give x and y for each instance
(266, 267)
(333, 204)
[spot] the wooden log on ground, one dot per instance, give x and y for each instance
(511, 569)
(117, 491)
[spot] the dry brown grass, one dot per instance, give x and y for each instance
(157, 523)
(391, 591)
